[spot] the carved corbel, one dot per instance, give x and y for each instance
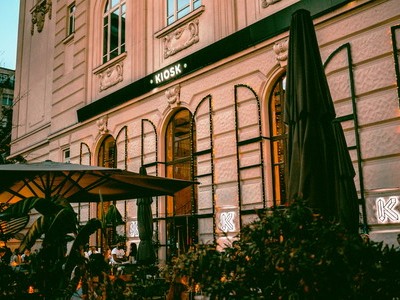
(281, 52)
(39, 15)
(102, 124)
(173, 95)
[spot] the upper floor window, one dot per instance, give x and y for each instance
(71, 19)
(66, 155)
(177, 9)
(113, 29)
(7, 100)
(278, 140)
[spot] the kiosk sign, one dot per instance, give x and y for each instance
(168, 73)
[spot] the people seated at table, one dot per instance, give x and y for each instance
(118, 255)
(15, 260)
(132, 253)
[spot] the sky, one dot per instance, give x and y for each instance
(9, 10)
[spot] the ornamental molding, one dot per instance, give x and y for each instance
(266, 3)
(111, 76)
(181, 38)
(281, 52)
(102, 124)
(173, 95)
(38, 13)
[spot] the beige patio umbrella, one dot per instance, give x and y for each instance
(80, 183)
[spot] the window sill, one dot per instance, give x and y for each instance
(68, 38)
(110, 63)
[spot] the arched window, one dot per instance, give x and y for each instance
(106, 157)
(107, 152)
(113, 29)
(181, 226)
(278, 140)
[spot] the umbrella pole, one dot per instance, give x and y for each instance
(103, 235)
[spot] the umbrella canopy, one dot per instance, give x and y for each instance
(80, 183)
(146, 253)
(313, 155)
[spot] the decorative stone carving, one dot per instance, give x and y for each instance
(173, 94)
(39, 15)
(181, 38)
(281, 52)
(111, 76)
(266, 3)
(102, 124)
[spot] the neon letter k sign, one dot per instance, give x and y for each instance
(385, 210)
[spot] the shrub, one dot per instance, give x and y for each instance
(292, 253)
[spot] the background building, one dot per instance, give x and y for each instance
(7, 80)
(194, 89)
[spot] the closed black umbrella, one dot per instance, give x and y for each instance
(313, 153)
(145, 253)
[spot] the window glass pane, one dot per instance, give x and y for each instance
(71, 19)
(105, 39)
(170, 7)
(114, 31)
(106, 7)
(177, 9)
(123, 15)
(183, 12)
(196, 4)
(114, 2)
(183, 4)
(7, 100)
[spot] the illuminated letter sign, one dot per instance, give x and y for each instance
(385, 210)
(226, 223)
(133, 229)
(168, 73)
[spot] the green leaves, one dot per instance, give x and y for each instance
(57, 219)
(293, 253)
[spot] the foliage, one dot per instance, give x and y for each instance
(292, 254)
(56, 221)
(51, 268)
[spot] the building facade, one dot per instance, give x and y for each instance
(7, 80)
(194, 90)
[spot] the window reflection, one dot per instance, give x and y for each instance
(181, 226)
(177, 9)
(114, 29)
(278, 140)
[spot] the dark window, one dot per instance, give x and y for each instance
(71, 19)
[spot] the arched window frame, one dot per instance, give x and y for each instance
(114, 13)
(278, 140)
(180, 217)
